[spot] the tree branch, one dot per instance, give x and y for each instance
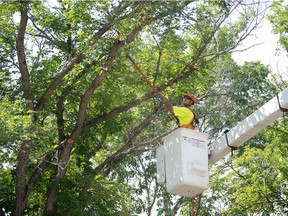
(77, 59)
(23, 154)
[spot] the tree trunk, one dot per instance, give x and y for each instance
(21, 186)
(2, 212)
(50, 206)
(23, 154)
(51, 201)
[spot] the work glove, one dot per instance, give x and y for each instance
(165, 102)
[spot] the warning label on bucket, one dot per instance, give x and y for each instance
(194, 142)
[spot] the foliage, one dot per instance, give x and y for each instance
(278, 20)
(258, 178)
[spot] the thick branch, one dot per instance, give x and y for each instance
(22, 57)
(46, 160)
(23, 154)
(124, 150)
(64, 94)
(117, 111)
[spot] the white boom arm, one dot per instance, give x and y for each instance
(250, 126)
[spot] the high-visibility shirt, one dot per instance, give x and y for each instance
(185, 116)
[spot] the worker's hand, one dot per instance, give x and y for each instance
(165, 102)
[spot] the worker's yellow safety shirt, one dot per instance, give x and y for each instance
(185, 116)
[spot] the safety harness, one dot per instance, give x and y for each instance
(194, 121)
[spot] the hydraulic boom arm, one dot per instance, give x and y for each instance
(250, 126)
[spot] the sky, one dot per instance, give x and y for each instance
(266, 52)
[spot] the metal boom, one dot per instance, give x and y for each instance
(250, 126)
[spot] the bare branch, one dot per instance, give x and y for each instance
(126, 148)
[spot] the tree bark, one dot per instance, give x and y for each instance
(50, 206)
(2, 212)
(23, 154)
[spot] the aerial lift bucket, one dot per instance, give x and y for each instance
(182, 162)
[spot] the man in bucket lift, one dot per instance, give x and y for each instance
(185, 115)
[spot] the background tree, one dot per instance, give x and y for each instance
(255, 182)
(278, 20)
(279, 25)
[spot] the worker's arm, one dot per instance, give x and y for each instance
(165, 102)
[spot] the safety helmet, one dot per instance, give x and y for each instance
(193, 98)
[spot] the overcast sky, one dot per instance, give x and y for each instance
(266, 52)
